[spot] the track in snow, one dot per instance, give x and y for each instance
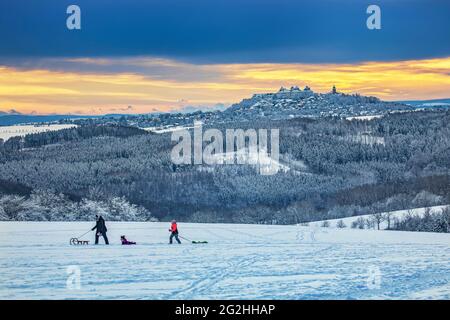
(240, 262)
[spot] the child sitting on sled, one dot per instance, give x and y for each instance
(125, 241)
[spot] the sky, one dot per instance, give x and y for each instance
(136, 56)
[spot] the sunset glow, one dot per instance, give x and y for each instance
(100, 85)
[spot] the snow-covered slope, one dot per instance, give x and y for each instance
(23, 130)
(240, 261)
(166, 129)
(261, 160)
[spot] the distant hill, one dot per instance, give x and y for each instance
(428, 103)
(286, 103)
(7, 119)
(294, 102)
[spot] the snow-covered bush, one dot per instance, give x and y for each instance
(340, 224)
(88, 209)
(120, 209)
(425, 198)
(115, 209)
(325, 224)
(428, 222)
(3, 216)
(370, 223)
(304, 224)
(359, 223)
(12, 206)
(44, 205)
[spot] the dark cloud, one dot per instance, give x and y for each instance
(224, 31)
(156, 68)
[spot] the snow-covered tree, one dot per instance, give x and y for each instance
(3, 216)
(425, 198)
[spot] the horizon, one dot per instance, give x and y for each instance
(187, 109)
(134, 57)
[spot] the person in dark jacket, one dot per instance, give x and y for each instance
(101, 229)
(174, 232)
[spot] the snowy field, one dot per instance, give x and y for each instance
(239, 262)
(22, 130)
(166, 129)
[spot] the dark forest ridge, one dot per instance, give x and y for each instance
(336, 168)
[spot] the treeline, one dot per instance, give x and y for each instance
(365, 195)
(428, 222)
(45, 205)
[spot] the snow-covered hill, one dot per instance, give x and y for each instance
(293, 102)
(239, 262)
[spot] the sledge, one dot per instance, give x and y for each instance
(194, 241)
(76, 242)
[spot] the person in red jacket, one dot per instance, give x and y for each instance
(174, 232)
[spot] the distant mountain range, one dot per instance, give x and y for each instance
(427, 103)
(7, 119)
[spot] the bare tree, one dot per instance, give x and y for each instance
(388, 218)
(377, 218)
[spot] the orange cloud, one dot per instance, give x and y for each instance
(55, 91)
